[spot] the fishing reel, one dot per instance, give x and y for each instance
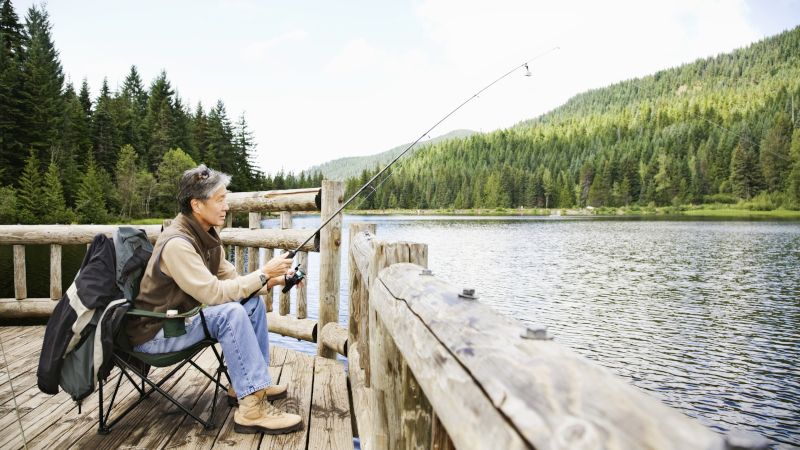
(298, 276)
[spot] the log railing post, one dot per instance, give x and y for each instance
(20, 282)
(302, 293)
(329, 260)
(254, 223)
(239, 258)
(55, 271)
(285, 298)
(358, 325)
(399, 404)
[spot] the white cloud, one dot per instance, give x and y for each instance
(259, 50)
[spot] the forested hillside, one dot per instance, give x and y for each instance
(721, 129)
(343, 168)
(67, 155)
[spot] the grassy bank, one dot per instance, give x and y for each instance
(721, 211)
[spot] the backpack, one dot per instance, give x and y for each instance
(79, 338)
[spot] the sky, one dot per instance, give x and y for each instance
(320, 80)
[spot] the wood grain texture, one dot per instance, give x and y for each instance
(362, 400)
(330, 408)
(254, 223)
(305, 329)
(302, 290)
(239, 259)
(550, 396)
(334, 337)
(285, 298)
(55, 272)
(329, 258)
(274, 201)
(11, 308)
(64, 234)
(266, 238)
(20, 279)
(470, 417)
(358, 284)
(298, 376)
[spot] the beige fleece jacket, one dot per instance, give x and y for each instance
(182, 263)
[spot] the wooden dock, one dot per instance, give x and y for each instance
(429, 365)
(317, 392)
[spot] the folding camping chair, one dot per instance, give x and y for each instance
(131, 362)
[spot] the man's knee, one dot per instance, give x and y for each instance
(232, 311)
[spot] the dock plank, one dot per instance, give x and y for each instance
(330, 426)
(227, 435)
(317, 391)
(132, 423)
(298, 375)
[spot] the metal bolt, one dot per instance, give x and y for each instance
(468, 293)
(426, 272)
(537, 332)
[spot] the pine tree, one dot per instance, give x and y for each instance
(42, 87)
(775, 159)
(85, 98)
(104, 132)
(158, 122)
(11, 56)
(744, 179)
(90, 206)
(54, 206)
(169, 173)
(8, 205)
(794, 174)
(29, 195)
(127, 181)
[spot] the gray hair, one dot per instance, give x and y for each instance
(199, 183)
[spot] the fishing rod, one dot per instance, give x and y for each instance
(299, 274)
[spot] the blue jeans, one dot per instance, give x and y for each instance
(241, 329)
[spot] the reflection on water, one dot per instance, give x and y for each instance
(703, 315)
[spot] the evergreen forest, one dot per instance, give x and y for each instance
(67, 155)
(722, 129)
(719, 130)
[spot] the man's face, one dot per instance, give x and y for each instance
(211, 212)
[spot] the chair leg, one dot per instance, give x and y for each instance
(101, 421)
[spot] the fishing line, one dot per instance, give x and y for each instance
(13, 395)
(410, 146)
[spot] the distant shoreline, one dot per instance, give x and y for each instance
(715, 211)
(700, 211)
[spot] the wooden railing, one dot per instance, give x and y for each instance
(244, 243)
(431, 367)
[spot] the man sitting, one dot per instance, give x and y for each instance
(187, 268)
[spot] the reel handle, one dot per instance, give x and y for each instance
(298, 276)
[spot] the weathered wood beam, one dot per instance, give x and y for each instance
(273, 201)
(20, 280)
(12, 308)
(362, 248)
(285, 298)
(63, 234)
(359, 289)
(302, 291)
(534, 393)
(334, 336)
(303, 329)
(55, 272)
(267, 238)
(329, 259)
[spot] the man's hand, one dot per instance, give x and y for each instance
(277, 266)
(281, 281)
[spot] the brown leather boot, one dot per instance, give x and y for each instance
(256, 415)
(274, 392)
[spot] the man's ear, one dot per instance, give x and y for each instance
(195, 203)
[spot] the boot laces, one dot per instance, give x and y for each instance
(269, 409)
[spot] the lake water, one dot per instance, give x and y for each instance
(703, 315)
